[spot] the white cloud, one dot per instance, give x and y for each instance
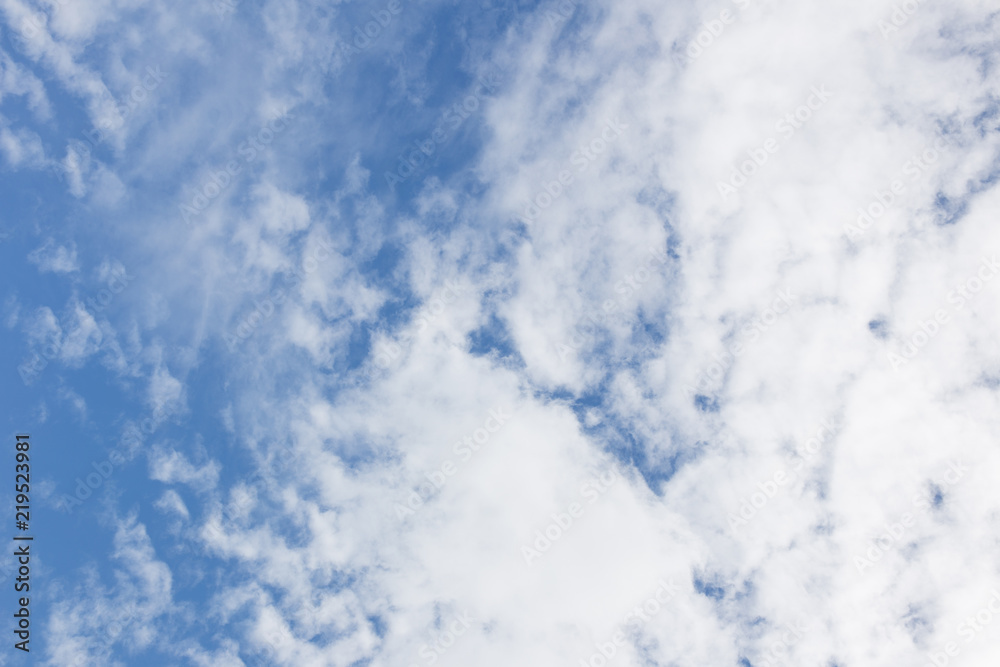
(339, 450)
(171, 466)
(75, 400)
(59, 56)
(11, 311)
(171, 502)
(55, 258)
(782, 232)
(88, 623)
(43, 328)
(82, 336)
(166, 394)
(16, 80)
(21, 147)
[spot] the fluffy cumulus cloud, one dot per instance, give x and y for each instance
(535, 333)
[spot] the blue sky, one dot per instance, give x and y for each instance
(674, 342)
